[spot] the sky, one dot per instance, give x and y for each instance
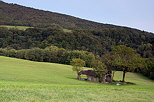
(131, 13)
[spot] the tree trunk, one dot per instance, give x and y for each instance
(78, 77)
(124, 73)
(103, 79)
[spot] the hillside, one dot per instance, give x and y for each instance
(94, 41)
(13, 14)
(15, 27)
(22, 80)
(45, 36)
(96, 37)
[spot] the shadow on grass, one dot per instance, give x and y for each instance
(122, 83)
(118, 83)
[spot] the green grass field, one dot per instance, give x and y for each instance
(16, 27)
(27, 81)
(67, 30)
(26, 27)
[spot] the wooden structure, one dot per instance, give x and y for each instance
(92, 76)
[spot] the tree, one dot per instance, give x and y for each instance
(145, 50)
(34, 54)
(127, 59)
(78, 65)
(90, 58)
(100, 70)
(149, 68)
(108, 59)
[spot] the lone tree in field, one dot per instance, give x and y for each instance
(127, 59)
(78, 65)
(100, 70)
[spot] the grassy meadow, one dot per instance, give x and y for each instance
(16, 27)
(67, 30)
(28, 81)
(26, 27)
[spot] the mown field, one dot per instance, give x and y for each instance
(16, 27)
(26, 27)
(27, 81)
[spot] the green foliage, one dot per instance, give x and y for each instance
(100, 69)
(109, 60)
(77, 64)
(145, 50)
(97, 42)
(127, 59)
(12, 14)
(49, 54)
(35, 54)
(99, 66)
(149, 68)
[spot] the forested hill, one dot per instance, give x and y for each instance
(85, 35)
(13, 14)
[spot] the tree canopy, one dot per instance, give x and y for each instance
(100, 69)
(77, 64)
(127, 58)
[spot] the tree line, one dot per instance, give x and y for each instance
(120, 58)
(49, 54)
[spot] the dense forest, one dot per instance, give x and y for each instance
(13, 14)
(94, 41)
(49, 54)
